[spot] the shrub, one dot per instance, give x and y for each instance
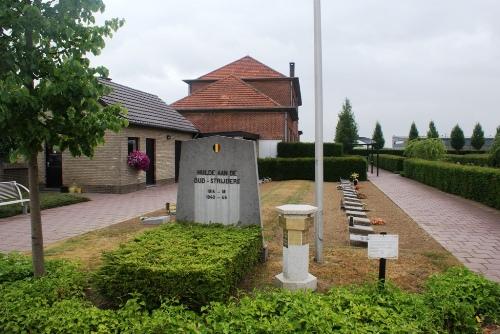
(469, 159)
(307, 150)
(391, 151)
(480, 184)
(457, 138)
(391, 163)
(193, 263)
(428, 149)
(494, 157)
(459, 296)
(303, 168)
(22, 296)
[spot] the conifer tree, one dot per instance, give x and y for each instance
(413, 132)
(346, 131)
(457, 138)
(432, 133)
(477, 138)
(378, 137)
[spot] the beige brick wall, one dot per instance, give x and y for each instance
(108, 171)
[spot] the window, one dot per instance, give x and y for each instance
(133, 144)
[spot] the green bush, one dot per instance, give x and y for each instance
(469, 159)
(391, 151)
(391, 163)
(307, 150)
(193, 263)
(481, 184)
(465, 152)
(428, 149)
(303, 168)
(494, 157)
(459, 296)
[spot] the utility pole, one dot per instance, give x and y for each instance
(318, 129)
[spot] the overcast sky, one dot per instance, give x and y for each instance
(397, 61)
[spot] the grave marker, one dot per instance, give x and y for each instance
(218, 182)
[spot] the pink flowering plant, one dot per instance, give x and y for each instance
(138, 160)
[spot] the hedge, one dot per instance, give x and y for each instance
(307, 150)
(469, 159)
(193, 263)
(391, 163)
(466, 152)
(391, 151)
(457, 301)
(303, 168)
(481, 184)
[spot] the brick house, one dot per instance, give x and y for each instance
(245, 99)
(154, 128)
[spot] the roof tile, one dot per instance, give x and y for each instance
(230, 92)
(146, 109)
(246, 67)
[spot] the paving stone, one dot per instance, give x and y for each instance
(469, 230)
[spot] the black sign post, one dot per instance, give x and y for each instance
(381, 270)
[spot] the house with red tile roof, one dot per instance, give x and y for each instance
(245, 99)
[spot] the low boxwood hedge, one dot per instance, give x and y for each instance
(307, 150)
(192, 263)
(469, 159)
(393, 163)
(303, 168)
(392, 151)
(481, 184)
(457, 301)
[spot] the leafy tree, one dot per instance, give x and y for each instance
(413, 132)
(477, 138)
(432, 133)
(378, 137)
(428, 149)
(457, 138)
(346, 131)
(48, 90)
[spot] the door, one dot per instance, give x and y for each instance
(178, 145)
(150, 152)
(53, 168)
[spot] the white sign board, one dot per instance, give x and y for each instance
(383, 246)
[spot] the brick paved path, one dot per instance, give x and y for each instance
(469, 230)
(68, 221)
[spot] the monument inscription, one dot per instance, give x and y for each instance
(218, 182)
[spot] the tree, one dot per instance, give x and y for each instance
(495, 150)
(48, 90)
(457, 138)
(477, 138)
(378, 137)
(346, 131)
(413, 132)
(432, 133)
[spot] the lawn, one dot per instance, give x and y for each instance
(47, 200)
(419, 254)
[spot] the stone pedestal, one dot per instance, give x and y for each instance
(296, 221)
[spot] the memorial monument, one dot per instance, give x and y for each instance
(218, 182)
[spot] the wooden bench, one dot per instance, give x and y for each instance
(11, 193)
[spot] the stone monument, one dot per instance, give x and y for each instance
(218, 182)
(296, 220)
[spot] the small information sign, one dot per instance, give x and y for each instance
(383, 246)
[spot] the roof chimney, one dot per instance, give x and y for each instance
(292, 69)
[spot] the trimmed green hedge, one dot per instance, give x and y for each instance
(391, 163)
(391, 151)
(303, 168)
(193, 263)
(466, 152)
(481, 184)
(469, 159)
(452, 302)
(306, 150)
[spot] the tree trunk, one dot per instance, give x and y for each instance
(36, 218)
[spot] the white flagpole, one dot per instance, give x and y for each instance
(318, 104)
